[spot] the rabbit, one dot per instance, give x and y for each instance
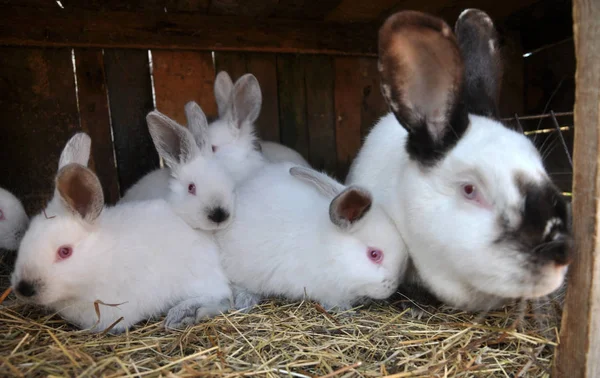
(233, 132)
(194, 183)
(13, 221)
(299, 232)
(482, 220)
(137, 260)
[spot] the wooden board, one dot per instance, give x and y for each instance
(187, 31)
(38, 109)
(259, 9)
(305, 9)
(130, 98)
(95, 118)
(182, 76)
(358, 106)
(264, 67)
(292, 103)
(320, 113)
(234, 63)
(579, 348)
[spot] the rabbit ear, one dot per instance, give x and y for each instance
(323, 183)
(421, 79)
(223, 88)
(80, 191)
(174, 143)
(349, 207)
(197, 124)
(479, 46)
(246, 100)
(77, 150)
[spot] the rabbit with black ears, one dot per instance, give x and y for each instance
(194, 183)
(139, 256)
(479, 214)
(299, 232)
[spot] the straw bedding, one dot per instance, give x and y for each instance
(280, 339)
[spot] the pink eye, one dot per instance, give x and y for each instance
(2, 215)
(214, 148)
(192, 189)
(64, 252)
(469, 191)
(375, 255)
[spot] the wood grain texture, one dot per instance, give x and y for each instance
(234, 63)
(38, 108)
(94, 116)
(320, 113)
(305, 9)
(188, 31)
(292, 103)
(243, 8)
(264, 67)
(130, 99)
(579, 348)
(358, 105)
(182, 76)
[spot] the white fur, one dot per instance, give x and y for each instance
(13, 221)
(214, 187)
(451, 240)
(283, 242)
(277, 153)
(139, 255)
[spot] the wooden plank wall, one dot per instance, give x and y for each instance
(322, 106)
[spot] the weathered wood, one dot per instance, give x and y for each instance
(244, 8)
(38, 109)
(200, 6)
(305, 9)
(110, 5)
(373, 104)
(292, 103)
(160, 30)
(360, 10)
(232, 62)
(264, 67)
(579, 348)
(95, 118)
(320, 113)
(130, 98)
(182, 76)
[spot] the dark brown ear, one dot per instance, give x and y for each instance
(349, 207)
(421, 79)
(80, 191)
(479, 46)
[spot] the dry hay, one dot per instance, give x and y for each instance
(286, 339)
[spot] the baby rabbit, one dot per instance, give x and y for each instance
(139, 256)
(246, 97)
(13, 221)
(298, 232)
(194, 183)
(480, 216)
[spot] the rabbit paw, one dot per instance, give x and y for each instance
(193, 311)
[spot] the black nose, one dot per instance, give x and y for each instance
(560, 250)
(218, 215)
(26, 289)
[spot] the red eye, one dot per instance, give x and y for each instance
(1, 215)
(375, 255)
(192, 189)
(64, 252)
(214, 148)
(469, 191)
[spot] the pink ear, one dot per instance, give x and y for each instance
(349, 206)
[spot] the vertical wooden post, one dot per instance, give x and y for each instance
(578, 354)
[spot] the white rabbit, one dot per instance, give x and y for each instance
(141, 256)
(13, 221)
(234, 132)
(297, 231)
(480, 216)
(195, 184)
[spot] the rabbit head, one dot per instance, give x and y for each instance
(13, 221)
(201, 191)
(53, 264)
(479, 214)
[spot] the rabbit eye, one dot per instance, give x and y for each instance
(375, 255)
(469, 191)
(192, 188)
(214, 148)
(2, 215)
(64, 252)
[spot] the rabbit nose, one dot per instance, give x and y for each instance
(26, 289)
(559, 250)
(218, 215)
